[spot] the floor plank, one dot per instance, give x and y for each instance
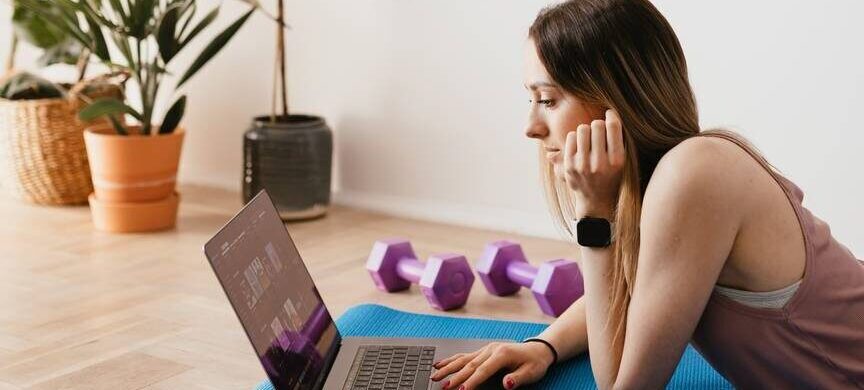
(86, 309)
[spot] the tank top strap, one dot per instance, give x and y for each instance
(791, 189)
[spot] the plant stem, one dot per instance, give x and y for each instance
(275, 86)
(155, 82)
(281, 53)
(83, 61)
(10, 62)
(141, 85)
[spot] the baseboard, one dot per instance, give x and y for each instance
(537, 224)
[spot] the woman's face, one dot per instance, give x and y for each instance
(553, 111)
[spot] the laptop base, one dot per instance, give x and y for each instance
(444, 348)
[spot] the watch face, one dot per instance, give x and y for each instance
(593, 232)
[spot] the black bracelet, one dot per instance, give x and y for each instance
(548, 344)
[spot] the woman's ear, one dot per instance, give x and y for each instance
(598, 111)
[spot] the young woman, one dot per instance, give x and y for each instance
(709, 244)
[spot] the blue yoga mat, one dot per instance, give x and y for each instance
(379, 321)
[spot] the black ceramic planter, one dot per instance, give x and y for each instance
(292, 159)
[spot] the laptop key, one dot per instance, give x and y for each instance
(422, 381)
(391, 368)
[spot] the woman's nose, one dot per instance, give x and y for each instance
(536, 129)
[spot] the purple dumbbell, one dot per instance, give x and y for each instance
(445, 279)
(296, 351)
(556, 284)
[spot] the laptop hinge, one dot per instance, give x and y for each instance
(325, 371)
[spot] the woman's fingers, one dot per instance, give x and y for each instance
(476, 368)
(593, 162)
(569, 152)
(614, 139)
(446, 361)
(470, 370)
(488, 368)
(452, 364)
(598, 158)
(583, 149)
(525, 374)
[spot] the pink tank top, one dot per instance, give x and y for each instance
(816, 340)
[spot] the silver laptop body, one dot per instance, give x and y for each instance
(290, 329)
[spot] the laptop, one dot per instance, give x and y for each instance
(289, 326)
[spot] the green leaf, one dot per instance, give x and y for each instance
(140, 17)
(99, 44)
(189, 10)
(253, 3)
(118, 126)
(209, 18)
(87, 9)
(174, 115)
(67, 52)
(215, 46)
(106, 106)
(26, 86)
(61, 17)
(34, 30)
(118, 10)
(123, 45)
(166, 34)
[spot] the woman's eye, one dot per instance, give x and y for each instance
(545, 102)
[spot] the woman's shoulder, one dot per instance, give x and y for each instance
(701, 156)
(715, 153)
(708, 170)
(702, 150)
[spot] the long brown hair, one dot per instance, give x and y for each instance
(619, 54)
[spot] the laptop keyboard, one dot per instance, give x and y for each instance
(379, 367)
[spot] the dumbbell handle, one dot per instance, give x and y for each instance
(521, 273)
(410, 269)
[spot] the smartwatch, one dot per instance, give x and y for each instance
(594, 232)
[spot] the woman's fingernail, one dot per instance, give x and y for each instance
(436, 364)
(445, 385)
(461, 387)
(510, 383)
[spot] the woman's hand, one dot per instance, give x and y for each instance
(527, 362)
(593, 162)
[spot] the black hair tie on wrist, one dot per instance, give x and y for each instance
(546, 343)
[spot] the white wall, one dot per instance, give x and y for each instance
(427, 105)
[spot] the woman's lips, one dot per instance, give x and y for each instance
(552, 155)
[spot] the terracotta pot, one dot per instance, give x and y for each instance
(132, 168)
(129, 217)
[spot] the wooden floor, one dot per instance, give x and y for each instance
(80, 309)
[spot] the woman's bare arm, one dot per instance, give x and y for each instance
(691, 214)
(568, 333)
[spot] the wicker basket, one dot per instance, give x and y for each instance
(42, 154)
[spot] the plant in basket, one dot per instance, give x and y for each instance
(42, 154)
(134, 164)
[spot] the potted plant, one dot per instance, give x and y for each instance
(42, 154)
(134, 165)
(288, 154)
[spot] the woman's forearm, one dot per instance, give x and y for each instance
(596, 273)
(568, 333)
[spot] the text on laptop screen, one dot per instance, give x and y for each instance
(274, 296)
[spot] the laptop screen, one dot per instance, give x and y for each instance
(273, 295)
